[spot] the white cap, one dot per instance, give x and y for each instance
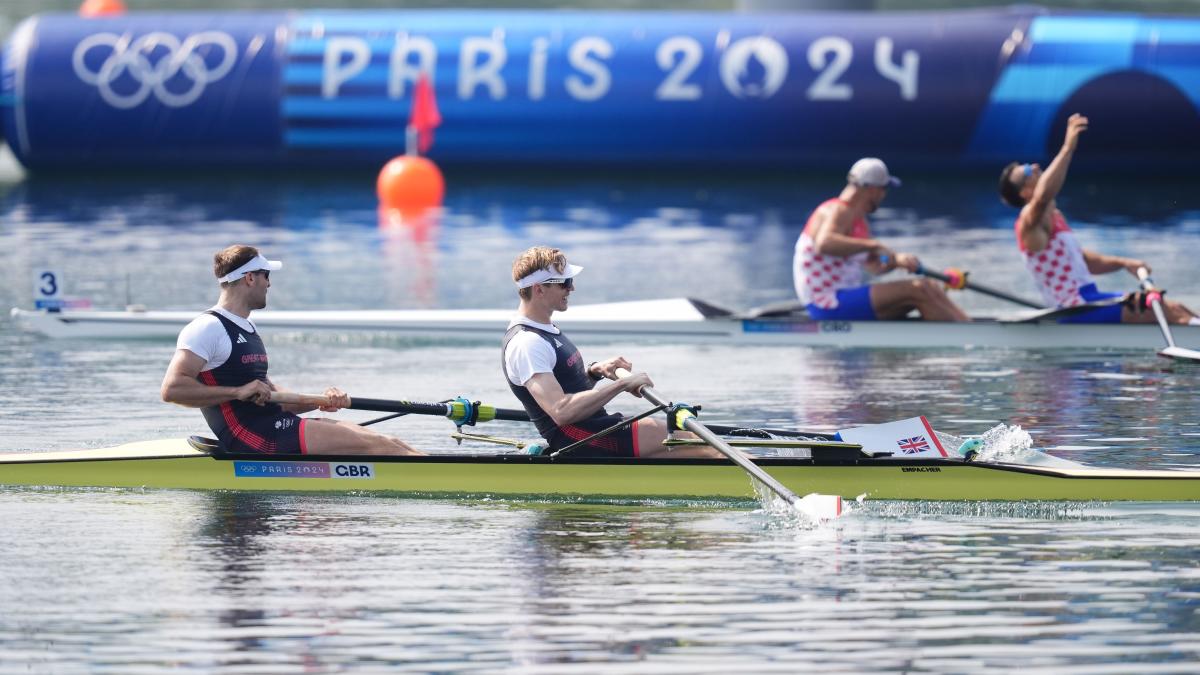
(871, 172)
(255, 264)
(546, 274)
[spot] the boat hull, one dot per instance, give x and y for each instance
(174, 464)
(673, 320)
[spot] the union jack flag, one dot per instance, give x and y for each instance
(911, 446)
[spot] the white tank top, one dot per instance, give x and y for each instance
(1059, 269)
(819, 277)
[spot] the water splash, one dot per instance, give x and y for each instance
(1006, 444)
(782, 512)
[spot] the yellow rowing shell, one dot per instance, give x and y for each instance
(184, 464)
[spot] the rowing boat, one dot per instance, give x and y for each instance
(197, 464)
(674, 320)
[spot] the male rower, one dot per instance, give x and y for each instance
(836, 249)
(1061, 267)
(220, 366)
(547, 374)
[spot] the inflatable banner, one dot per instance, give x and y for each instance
(954, 88)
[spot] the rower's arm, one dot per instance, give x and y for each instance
(301, 408)
(181, 386)
(832, 234)
(1055, 175)
(1099, 263)
(566, 408)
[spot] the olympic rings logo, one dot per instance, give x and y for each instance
(182, 61)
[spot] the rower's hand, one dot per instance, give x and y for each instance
(1131, 265)
(634, 383)
(609, 368)
(254, 391)
(908, 261)
(1076, 124)
(338, 399)
(881, 259)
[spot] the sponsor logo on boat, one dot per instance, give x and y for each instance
(768, 326)
(349, 470)
(920, 469)
(357, 471)
(836, 327)
(757, 326)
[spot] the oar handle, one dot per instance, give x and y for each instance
(289, 398)
(1154, 299)
(622, 373)
(960, 280)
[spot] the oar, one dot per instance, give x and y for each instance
(454, 409)
(816, 506)
(1154, 298)
(958, 280)
(393, 416)
(460, 410)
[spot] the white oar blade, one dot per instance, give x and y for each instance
(820, 507)
(1180, 353)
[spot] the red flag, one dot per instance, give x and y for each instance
(425, 116)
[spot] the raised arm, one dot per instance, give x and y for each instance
(1052, 179)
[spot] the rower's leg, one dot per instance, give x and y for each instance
(1178, 313)
(894, 299)
(335, 437)
(1175, 313)
(653, 431)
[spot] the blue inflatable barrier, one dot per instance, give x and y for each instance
(957, 88)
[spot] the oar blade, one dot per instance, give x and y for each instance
(1180, 353)
(819, 507)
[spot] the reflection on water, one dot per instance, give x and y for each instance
(288, 583)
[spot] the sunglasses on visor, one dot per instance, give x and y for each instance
(568, 284)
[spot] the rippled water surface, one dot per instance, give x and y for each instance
(130, 581)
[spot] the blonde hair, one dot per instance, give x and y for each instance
(534, 259)
(229, 259)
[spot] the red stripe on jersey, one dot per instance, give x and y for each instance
(578, 434)
(239, 431)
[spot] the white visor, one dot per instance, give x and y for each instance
(255, 264)
(543, 275)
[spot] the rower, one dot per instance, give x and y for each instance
(220, 366)
(836, 248)
(1061, 267)
(547, 374)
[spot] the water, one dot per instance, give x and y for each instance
(131, 581)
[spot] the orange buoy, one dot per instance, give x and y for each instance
(410, 182)
(94, 8)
